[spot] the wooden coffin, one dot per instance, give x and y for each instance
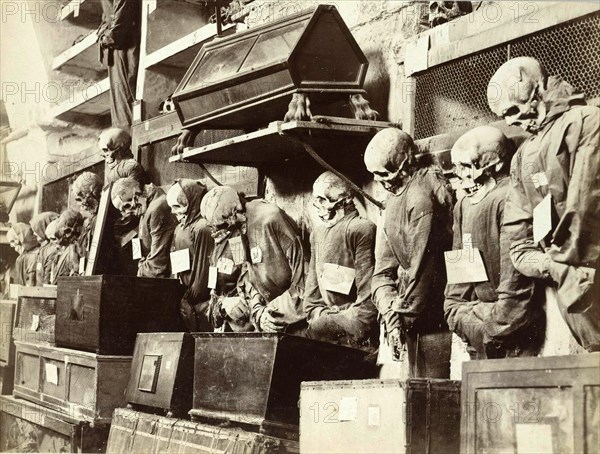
(162, 373)
(547, 404)
(132, 432)
(391, 416)
(36, 315)
(103, 314)
(254, 378)
(8, 312)
(82, 385)
(27, 427)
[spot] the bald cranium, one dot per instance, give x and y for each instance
(514, 93)
(331, 195)
(479, 157)
(114, 144)
(389, 156)
(178, 202)
(87, 189)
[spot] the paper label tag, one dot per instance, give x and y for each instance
(348, 409)
(35, 322)
(237, 250)
(212, 277)
(465, 266)
(51, 373)
(534, 438)
(38, 266)
(542, 219)
(136, 249)
(539, 179)
(467, 240)
(256, 255)
(225, 265)
(180, 261)
(337, 278)
(374, 416)
(81, 266)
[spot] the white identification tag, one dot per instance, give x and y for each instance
(51, 373)
(35, 322)
(542, 219)
(212, 277)
(180, 261)
(256, 255)
(136, 249)
(467, 240)
(237, 250)
(539, 179)
(81, 266)
(38, 266)
(225, 265)
(465, 266)
(337, 278)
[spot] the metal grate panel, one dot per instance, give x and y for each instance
(452, 96)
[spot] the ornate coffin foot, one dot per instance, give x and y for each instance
(185, 139)
(361, 109)
(299, 108)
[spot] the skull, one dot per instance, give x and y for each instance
(129, 197)
(331, 195)
(114, 144)
(87, 189)
(14, 241)
(51, 232)
(224, 212)
(479, 157)
(178, 202)
(69, 226)
(515, 93)
(442, 12)
(389, 156)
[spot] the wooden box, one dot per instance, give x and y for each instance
(132, 432)
(8, 313)
(247, 80)
(537, 405)
(36, 315)
(103, 314)
(162, 372)
(254, 378)
(82, 385)
(27, 427)
(391, 416)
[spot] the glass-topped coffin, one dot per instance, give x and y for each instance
(247, 80)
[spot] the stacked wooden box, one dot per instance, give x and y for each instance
(73, 347)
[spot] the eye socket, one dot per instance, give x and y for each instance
(511, 112)
(449, 5)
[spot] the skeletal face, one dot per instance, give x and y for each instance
(224, 212)
(387, 158)
(88, 200)
(330, 194)
(514, 93)
(178, 202)
(69, 227)
(131, 203)
(14, 241)
(113, 144)
(441, 12)
(477, 157)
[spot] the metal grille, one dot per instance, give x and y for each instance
(452, 96)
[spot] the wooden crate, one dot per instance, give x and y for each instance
(27, 427)
(103, 314)
(36, 315)
(162, 373)
(391, 416)
(253, 379)
(547, 404)
(8, 313)
(82, 385)
(133, 432)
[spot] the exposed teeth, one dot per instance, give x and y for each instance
(473, 189)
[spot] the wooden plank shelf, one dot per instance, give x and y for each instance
(90, 102)
(81, 58)
(277, 142)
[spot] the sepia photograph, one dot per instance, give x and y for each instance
(300, 227)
